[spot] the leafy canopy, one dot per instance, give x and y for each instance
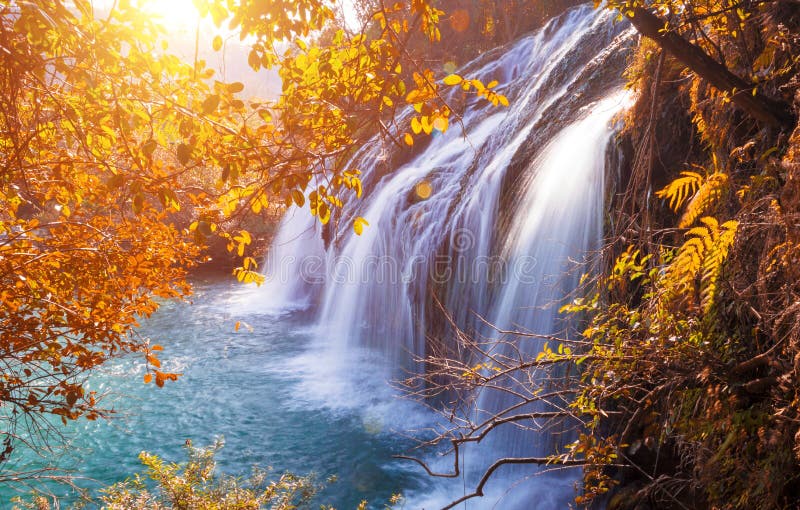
(120, 161)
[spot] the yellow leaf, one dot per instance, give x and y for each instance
(453, 79)
(408, 139)
(427, 125)
(323, 213)
(416, 127)
(244, 237)
(237, 326)
(217, 43)
(359, 224)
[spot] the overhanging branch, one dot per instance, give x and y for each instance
(762, 108)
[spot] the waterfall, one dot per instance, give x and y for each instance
(294, 263)
(487, 218)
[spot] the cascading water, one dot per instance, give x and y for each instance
(557, 224)
(486, 219)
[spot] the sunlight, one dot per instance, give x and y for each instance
(183, 16)
(349, 14)
(172, 14)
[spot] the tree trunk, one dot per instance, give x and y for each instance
(764, 109)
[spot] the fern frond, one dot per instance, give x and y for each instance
(714, 259)
(700, 257)
(681, 189)
(707, 196)
(682, 272)
(711, 223)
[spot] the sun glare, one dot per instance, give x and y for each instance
(173, 14)
(182, 14)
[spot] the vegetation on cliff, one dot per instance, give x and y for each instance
(692, 378)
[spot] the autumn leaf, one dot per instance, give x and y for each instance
(358, 225)
(184, 153)
(452, 79)
(210, 104)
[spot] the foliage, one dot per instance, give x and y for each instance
(197, 485)
(700, 193)
(120, 162)
(691, 374)
(87, 239)
(700, 257)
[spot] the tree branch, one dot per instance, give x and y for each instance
(762, 108)
(512, 460)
